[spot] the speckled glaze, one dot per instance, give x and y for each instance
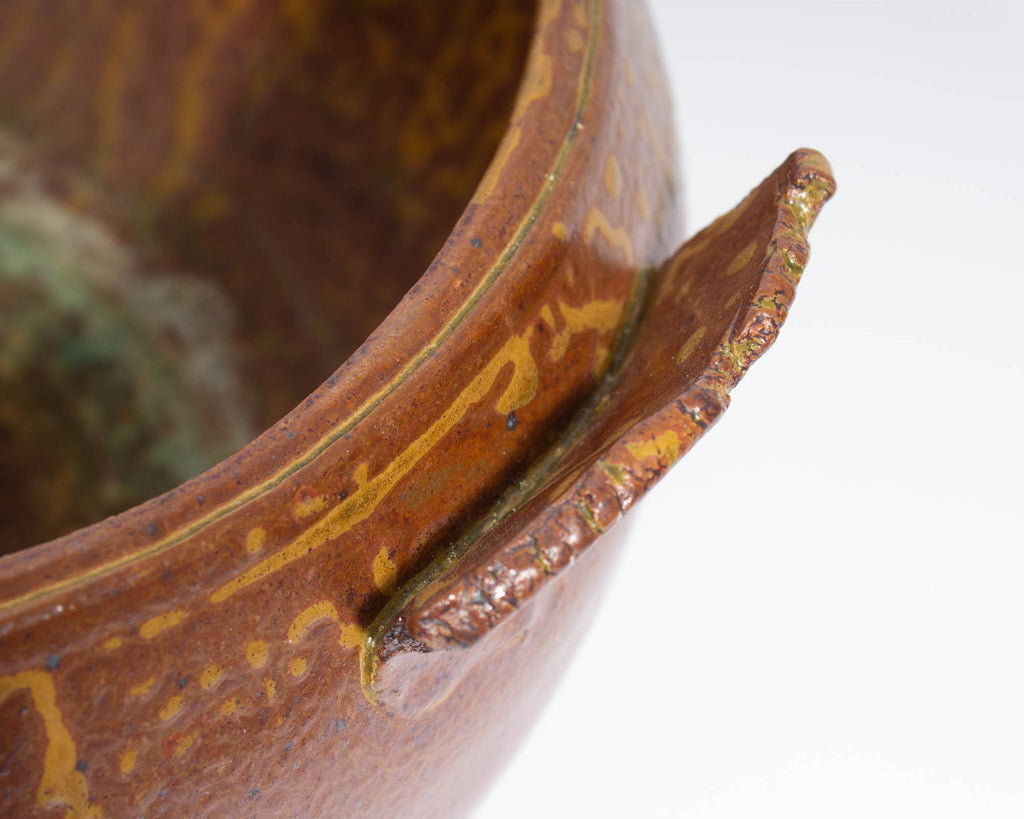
(360, 612)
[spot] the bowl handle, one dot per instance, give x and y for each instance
(710, 312)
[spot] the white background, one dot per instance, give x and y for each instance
(820, 612)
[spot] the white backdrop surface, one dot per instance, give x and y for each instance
(821, 610)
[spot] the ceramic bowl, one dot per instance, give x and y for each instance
(205, 208)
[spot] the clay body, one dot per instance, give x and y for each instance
(359, 612)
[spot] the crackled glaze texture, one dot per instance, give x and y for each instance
(360, 612)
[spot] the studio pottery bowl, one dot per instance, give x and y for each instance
(205, 209)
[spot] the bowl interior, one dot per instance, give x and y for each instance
(204, 209)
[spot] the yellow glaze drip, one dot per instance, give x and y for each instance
(141, 688)
(618, 238)
(256, 653)
(183, 744)
(154, 625)
(385, 572)
(128, 760)
(255, 540)
(359, 505)
(664, 446)
(612, 176)
(602, 315)
(741, 259)
(172, 707)
(321, 610)
(62, 783)
(211, 675)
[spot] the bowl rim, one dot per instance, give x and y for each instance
(504, 194)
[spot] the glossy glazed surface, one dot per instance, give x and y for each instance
(204, 209)
(359, 613)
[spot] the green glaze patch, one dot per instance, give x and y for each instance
(116, 384)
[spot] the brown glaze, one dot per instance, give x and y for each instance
(305, 160)
(712, 310)
(360, 612)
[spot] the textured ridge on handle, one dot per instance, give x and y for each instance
(712, 310)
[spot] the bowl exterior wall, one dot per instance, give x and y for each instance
(200, 654)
